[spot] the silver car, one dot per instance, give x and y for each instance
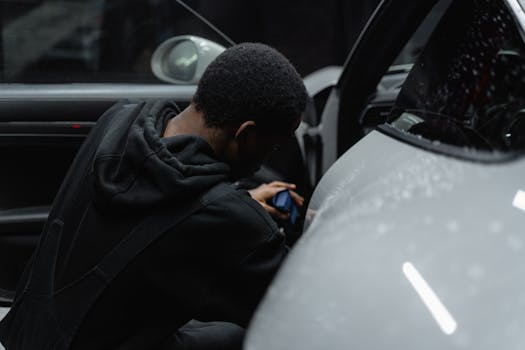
(415, 236)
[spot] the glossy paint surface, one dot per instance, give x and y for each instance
(406, 249)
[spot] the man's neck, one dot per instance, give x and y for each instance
(191, 122)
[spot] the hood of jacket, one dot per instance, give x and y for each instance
(135, 167)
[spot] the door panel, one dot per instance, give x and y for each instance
(41, 129)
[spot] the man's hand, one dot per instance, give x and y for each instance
(266, 192)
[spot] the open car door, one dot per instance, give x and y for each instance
(41, 129)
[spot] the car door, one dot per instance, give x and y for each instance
(59, 72)
(369, 82)
(41, 129)
(372, 76)
(63, 63)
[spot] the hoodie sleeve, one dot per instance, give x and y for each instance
(217, 264)
(238, 290)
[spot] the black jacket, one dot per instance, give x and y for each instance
(215, 265)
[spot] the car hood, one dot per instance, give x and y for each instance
(407, 250)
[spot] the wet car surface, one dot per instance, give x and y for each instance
(414, 236)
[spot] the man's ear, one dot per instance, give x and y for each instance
(246, 133)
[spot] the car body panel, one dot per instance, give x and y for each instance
(344, 284)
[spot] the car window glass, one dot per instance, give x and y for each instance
(97, 41)
(467, 88)
(46, 41)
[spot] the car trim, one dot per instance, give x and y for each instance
(6, 298)
(518, 13)
(93, 92)
(379, 43)
(18, 219)
(46, 127)
(464, 153)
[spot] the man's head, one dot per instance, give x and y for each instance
(255, 94)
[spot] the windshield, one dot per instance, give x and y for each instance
(467, 88)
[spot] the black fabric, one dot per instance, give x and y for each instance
(136, 168)
(206, 336)
(214, 265)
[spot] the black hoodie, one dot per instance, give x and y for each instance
(136, 168)
(215, 265)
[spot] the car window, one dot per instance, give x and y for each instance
(467, 87)
(52, 41)
(98, 41)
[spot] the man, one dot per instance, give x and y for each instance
(144, 236)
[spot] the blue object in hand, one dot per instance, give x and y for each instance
(283, 201)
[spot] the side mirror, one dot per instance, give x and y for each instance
(183, 59)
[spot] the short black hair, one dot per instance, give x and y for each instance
(251, 81)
